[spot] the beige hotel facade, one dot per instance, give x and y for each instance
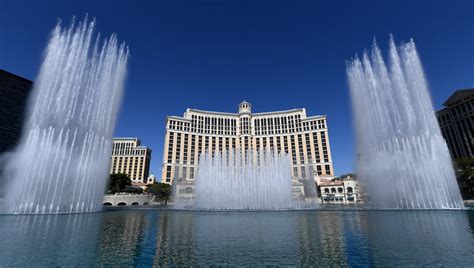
(129, 157)
(304, 138)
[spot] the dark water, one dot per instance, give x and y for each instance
(154, 238)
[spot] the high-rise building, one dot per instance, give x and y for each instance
(456, 121)
(14, 91)
(303, 137)
(129, 157)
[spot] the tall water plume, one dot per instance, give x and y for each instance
(61, 163)
(250, 180)
(403, 159)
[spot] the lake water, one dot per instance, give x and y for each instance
(147, 237)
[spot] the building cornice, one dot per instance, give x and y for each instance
(190, 110)
(211, 112)
(298, 110)
(236, 115)
(314, 117)
(178, 118)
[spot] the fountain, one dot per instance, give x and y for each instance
(250, 180)
(403, 159)
(61, 163)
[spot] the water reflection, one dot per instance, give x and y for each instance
(49, 240)
(179, 238)
(121, 238)
(175, 240)
(432, 237)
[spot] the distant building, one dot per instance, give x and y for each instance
(456, 121)
(14, 91)
(129, 157)
(151, 179)
(304, 138)
(144, 184)
(339, 191)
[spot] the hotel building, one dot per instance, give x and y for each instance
(303, 137)
(13, 98)
(130, 158)
(456, 121)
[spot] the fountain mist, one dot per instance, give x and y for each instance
(402, 157)
(250, 180)
(61, 164)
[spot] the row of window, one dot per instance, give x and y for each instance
(126, 148)
(262, 126)
(179, 143)
(133, 166)
(459, 136)
(181, 172)
(339, 190)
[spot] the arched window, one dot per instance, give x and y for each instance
(333, 190)
(339, 190)
(326, 190)
(349, 189)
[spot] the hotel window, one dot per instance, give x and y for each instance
(327, 169)
(323, 143)
(193, 146)
(295, 172)
(257, 127)
(318, 170)
(168, 172)
(178, 148)
(308, 148)
(316, 147)
(213, 144)
(199, 138)
(293, 149)
(227, 143)
(185, 152)
(300, 147)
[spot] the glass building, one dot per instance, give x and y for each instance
(14, 91)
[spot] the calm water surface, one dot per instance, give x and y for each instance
(153, 237)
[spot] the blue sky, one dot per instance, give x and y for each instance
(276, 54)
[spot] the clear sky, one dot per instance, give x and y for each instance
(277, 55)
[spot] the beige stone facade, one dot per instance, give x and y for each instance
(129, 157)
(304, 138)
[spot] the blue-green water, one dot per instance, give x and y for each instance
(153, 237)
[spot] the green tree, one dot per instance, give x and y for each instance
(118, 183)
(465, 176)
(162, 191)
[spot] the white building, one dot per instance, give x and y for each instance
(339, 191)
(129, 157)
